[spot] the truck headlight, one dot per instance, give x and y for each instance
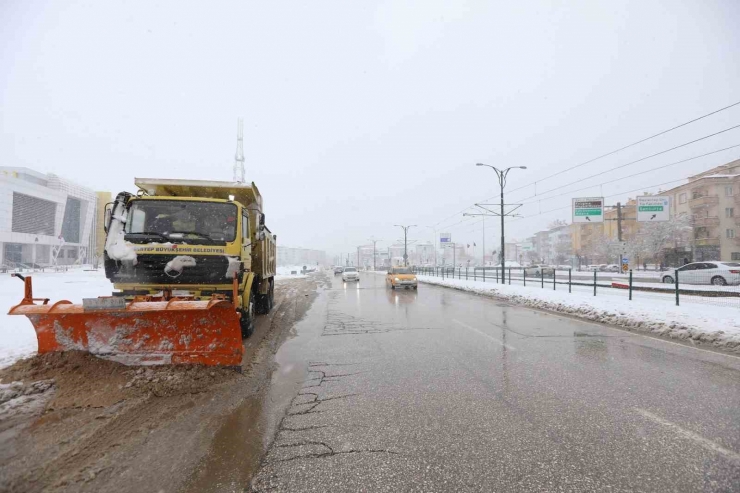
(397, 279)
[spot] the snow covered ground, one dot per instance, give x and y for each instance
(716, 325)
(17, 337)
(285, 272)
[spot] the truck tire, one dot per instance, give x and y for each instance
(263, 304)
(271, 297)
(247, 318)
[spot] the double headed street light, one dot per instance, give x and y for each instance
(501, 174)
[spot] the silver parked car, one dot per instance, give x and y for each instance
(717, 273)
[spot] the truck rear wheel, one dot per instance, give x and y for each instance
(265, 301)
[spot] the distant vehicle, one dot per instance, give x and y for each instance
(401, 277)
(534, 270)
(593, 268)
(612, 268)
(539, 270)
(509, 263)
(338, 269)
(563, 267)
(716, 273)
(350, 274)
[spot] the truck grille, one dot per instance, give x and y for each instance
(208, 269)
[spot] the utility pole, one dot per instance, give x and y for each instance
(405, 242)
(484, 241)
(374, 255)
(619, 234)
(358, 257)
(501, 174)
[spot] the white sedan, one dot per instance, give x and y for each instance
(350, 274)
(717, 273)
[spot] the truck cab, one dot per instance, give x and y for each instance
(191, 238)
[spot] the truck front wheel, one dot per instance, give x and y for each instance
(246, 321)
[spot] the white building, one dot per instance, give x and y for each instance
(558, 245)
(291, 256)
(424, 254)
(44, 219)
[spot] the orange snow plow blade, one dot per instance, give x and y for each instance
(138, 332)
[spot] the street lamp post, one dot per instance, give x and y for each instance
(501, 174)
(405, 242)
(374, 254)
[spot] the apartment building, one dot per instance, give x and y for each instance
(711, 200)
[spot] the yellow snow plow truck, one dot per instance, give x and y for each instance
(192, 263)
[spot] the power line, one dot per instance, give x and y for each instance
(606, 197)
(616, 168)
(608, 154)
(628, 164)
(617, 179)
(630, 145)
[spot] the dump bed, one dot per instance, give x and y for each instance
(244, 193)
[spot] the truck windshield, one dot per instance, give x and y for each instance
(177, 220)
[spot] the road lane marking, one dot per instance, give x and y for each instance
(502, 343)
(704, 442)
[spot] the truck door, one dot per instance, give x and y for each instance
(246, 240)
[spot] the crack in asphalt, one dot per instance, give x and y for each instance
(341, 452)
(319, 374)
(340, 324)
(326, 378)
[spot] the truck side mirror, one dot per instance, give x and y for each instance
(262, 221)
(107, 217)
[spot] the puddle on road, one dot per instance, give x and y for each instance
(247, 432)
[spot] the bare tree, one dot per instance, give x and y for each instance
(563, 249)
(532, 256)
(557, 223)
(602, 248)
(655, 237)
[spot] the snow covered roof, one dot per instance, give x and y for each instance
(718, 176)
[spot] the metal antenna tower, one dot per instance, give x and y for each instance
(239, 157)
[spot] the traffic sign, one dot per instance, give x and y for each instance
(445, 238)
(653, 208)
(588, 210)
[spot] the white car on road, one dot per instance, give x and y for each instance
(717, 273)
(350, 274)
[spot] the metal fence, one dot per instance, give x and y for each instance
(667, 286)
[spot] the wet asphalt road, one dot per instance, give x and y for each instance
(440, 390)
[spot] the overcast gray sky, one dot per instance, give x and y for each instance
(362, 115)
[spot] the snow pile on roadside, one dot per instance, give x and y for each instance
(715, 325)
(17, 337)
(286, 272)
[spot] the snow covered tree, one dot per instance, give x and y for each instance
(602, 248)
(557, 223)
(654, 237)
(532, 256)
(563, 249)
